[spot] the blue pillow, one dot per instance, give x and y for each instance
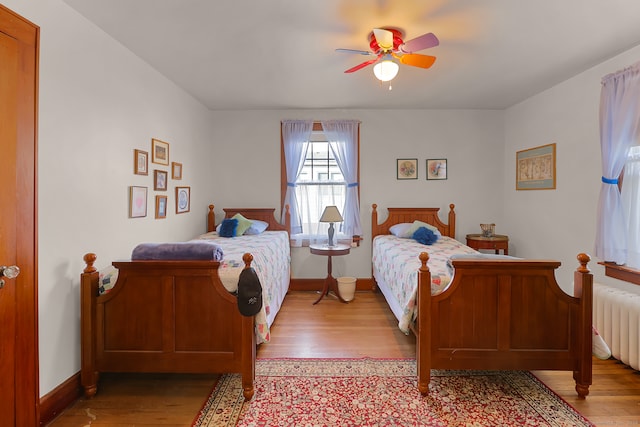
(228, 227)
(425, 236)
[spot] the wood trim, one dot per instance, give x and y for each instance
(60, 398)
(621, 272)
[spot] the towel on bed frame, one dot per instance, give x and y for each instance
(201, 250)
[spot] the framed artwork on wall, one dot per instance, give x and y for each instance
(407, 169)
(436, 169)
(160, 180)
(161, 207)
(137, 202)
(176, 170)
(183, 199)
(159, 152)
(140, 162)
(536, 168)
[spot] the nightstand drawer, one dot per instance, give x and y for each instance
(496, 242)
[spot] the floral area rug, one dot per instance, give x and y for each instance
(383, 392)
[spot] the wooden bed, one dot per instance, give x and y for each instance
(498, 314)
(168, 317)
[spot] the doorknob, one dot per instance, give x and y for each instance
(10, 272)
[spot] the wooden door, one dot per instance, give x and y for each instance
(19, 394)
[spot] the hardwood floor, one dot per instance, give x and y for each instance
(363, 328)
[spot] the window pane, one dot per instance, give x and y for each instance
(320, 184)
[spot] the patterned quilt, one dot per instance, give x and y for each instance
(396, 264)
(271, 260)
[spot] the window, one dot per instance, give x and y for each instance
(326, 163)
(320, 184)
(629, 184)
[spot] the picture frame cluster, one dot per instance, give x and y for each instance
(407, 169)
(138, 194)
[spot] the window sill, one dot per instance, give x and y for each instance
(621, 272)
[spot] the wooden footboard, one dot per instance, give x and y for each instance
(505, 315)
(164, 316)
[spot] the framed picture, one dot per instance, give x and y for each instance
(159, 152)
(407, 169)
(176, 170)
(436, 168)
(140, 162)
(161, 207)
(536, 168)
(137, 202)
(160, 180)
(183, 199)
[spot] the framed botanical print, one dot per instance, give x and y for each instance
(159, 152)
(436, 169)
(176, 170)
(161, 207)
(160, 180)
(140, 162)
(407, 169)
(137, 202)
(183, 199)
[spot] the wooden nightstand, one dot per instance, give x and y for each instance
(496, 242)
(330, 282)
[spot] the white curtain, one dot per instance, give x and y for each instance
(343, 140)
(631, 205)
(295, 139)
(619, 125)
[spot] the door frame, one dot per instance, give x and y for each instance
(26, 394)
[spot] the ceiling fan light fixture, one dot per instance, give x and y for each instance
(386, 70)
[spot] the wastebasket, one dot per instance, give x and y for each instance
(347, 287)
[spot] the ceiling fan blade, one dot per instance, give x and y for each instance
(359, 66)
(359, 52)
(425, 41)
(384, 38)
(417, 60)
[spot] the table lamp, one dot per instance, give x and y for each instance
(331, 214)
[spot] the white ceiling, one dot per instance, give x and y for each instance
(280, 54)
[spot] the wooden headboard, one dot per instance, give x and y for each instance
(262, 214)
(399, 215)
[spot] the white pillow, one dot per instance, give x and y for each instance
(257, 227)
(400, 230)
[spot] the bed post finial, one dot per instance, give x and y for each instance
(247, 258)
(89, 259)
(452, 221)
(424, 257)
(211, 220)
(583, 259)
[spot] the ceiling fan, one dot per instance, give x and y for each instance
(387, 46)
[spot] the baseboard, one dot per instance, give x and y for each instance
(60, 398)
(365, 284)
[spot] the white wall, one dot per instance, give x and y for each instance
(559, 224)
(98, 102)
(471, 141)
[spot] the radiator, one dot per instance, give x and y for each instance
(616, 316)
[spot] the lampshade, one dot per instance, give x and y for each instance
(331, 214)
(386, 69)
